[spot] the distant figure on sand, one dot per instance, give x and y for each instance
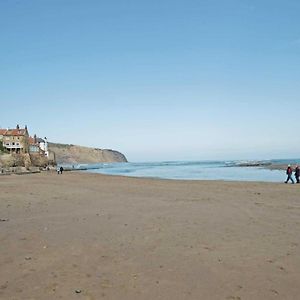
(289, 173)
(61, 170)
(297, 174)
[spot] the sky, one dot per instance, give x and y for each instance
(155, 80)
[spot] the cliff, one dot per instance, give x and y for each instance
(72, 154)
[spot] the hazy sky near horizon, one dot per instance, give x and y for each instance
(156, 80)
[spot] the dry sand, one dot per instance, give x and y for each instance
(128, 238)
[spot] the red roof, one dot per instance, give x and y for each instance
(31, 140)
(13, 132)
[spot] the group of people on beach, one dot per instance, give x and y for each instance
(60, 170)
(289, 173)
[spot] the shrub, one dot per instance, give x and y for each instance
(1, 146)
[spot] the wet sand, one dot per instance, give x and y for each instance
(111, 237)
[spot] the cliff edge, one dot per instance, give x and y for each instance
(73, 154)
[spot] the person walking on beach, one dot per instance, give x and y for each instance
(289, 173)
(61, 170)
(297, 174)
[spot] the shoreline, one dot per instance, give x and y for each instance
(184, 180)
(86, 171)
(252, 171)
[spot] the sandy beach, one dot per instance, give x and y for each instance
(90, 236)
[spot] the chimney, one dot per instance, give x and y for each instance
(35, 141)
(18, 127)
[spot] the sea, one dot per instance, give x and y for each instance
(234, 170)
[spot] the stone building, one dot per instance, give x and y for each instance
(15, 140)
(2, 131)
(38, 146)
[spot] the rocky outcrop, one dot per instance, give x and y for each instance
(15, 160)
(72, 154)
(38, 160)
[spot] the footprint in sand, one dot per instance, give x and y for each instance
(4, 286)
(208, 248)
(275, 292)
(281, 268)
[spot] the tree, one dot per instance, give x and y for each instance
(1, 146)
(2, 149)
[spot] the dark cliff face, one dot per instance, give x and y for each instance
(72, 154)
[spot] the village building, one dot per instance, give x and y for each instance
(22, 146)
(18, 141)
(43, 143)
(2, 132)
(38, 146)
(15, 140)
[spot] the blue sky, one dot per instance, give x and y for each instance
(156, 80)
